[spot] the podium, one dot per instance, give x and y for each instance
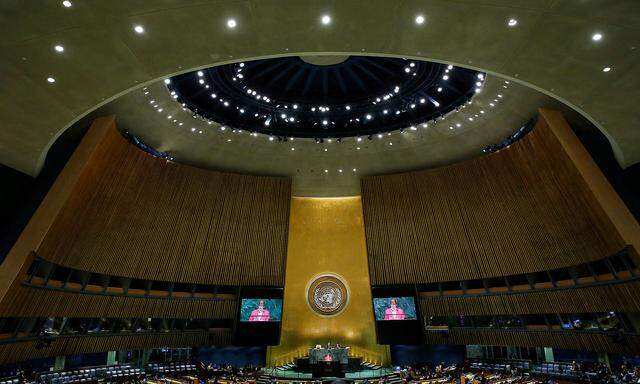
(329, 362)
(338, 354)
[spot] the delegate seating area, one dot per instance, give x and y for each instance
(523, 365)
(93, 374)
(476, 372)
(171, 368)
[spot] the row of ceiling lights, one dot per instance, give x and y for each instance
(358, 139)
(409, 69)
(324, 19)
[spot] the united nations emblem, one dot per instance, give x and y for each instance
(327, 295)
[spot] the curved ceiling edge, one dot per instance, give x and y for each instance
(619, 154)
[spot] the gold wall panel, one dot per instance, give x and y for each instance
(326, 235)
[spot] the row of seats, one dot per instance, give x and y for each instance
(171, 367)
(91, 374)
(555, 369)
(115, 372)
(501, 367)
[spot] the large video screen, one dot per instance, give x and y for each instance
(394, 308)
(260, 310)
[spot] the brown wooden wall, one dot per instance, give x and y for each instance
(523, 209)
(575, 340)
(135, 215)
(26, 350)
(26, 301)
(622, 297)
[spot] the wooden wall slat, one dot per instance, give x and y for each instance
(26, 350)
(621, 297)
(532, 338)
(135, 215)
(33, 302)
(523, 209)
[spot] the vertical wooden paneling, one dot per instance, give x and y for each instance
(34, 302)
(623, 297)
(576, 340)
(525, 208)
(135, 215)
(26, 350)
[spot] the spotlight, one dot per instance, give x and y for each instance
(59, 48)
(67, 3)
(138, 29)
(606, 69)
(512, 22)
(596, 36)
(326, 19)
(231, 23)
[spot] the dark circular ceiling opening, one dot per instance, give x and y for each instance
(358, 96)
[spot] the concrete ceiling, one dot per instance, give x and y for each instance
(550, 49)
(461, 135)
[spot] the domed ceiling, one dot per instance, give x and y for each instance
(61, 62)
(476, 111)
(356, 96)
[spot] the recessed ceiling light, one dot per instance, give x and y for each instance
(596, 36)
(51, 80)
(59, 48)
(67, 3)
(326, 19)
(138, 29)
(419, 19)
(231, 23)
(606, 69)
(512, 22)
